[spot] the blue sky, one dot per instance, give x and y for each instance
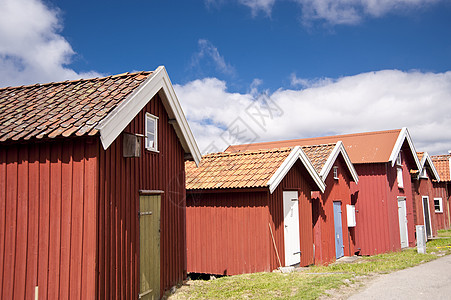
(329, 66)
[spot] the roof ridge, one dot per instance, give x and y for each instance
(75, 80)
(327, 137)
(319, 145)
(251, 152)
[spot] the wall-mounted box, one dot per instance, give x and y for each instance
(350, 209)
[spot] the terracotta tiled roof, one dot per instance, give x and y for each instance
(442, 164)
(235, 170)
(318, 154)
(62, 108)
(367, 147)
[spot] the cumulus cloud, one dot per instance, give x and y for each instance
(386, 99)
(338, 11)
(208, 54)
(31, 48)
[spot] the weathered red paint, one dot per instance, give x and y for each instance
(323, 214)
(69, 214)
(441, 219)
(424, 187)
(39, 220)
(377, 229)
(228, 230)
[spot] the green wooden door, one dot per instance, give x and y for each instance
(149, 246)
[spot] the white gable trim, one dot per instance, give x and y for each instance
(427, 159)
(339, 148)
(122, 115)
(403, 135)
(294, 155)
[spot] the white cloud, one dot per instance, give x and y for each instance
(259, 5)
(31, 48)
(210, 54)
(339, 11)
(379, 100)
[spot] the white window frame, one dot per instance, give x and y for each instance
(398, 159)
(336, 173)
(441, 205)
(399, 177)
(155, 133)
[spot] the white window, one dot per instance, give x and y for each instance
(151, 132)
(335, 172)
(399, 176)
(398, 159)
(438, 205)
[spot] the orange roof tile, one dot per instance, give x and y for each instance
(65, 108)
(318, 154)
(442, 164)
(236, 170)
(367, 147)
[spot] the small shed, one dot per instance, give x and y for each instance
(423, 180)
(92, 188)
(442, 190)
(334, 209)
(250, 211)
(383, 197)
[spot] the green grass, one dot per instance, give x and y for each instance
(314, 281)
(296, 285)
(444, 233)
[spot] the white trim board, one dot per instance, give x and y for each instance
(427, 159)
(123, 114)
(339, 148)
(285, 167)
(403, 135)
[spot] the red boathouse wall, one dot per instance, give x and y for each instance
(228, 230)
(69, 214)
(48, 208)
(377, 229)
(323, 215)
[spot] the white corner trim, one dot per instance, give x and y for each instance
(122, 115)
(427, 159)
(404, 134)
(449, 159)
(285, 167)
(339, 148)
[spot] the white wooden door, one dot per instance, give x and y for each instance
(291, 230)
(402, 215)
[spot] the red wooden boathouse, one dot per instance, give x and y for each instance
(442, 190)
(90, 171)
(332, 236)
(425, 212)
(250, 211)
(384, 200)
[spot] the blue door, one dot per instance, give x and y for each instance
(339, 248)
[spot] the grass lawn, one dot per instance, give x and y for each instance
(313, 282)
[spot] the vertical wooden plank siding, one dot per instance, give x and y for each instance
(296, 179)
(227, 232)
(120, 179)
(38, 195)
(371, 216)
(423, 187)
(442, 219)
(377, 229)
(323, 216)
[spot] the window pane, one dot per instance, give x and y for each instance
(150, 125)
